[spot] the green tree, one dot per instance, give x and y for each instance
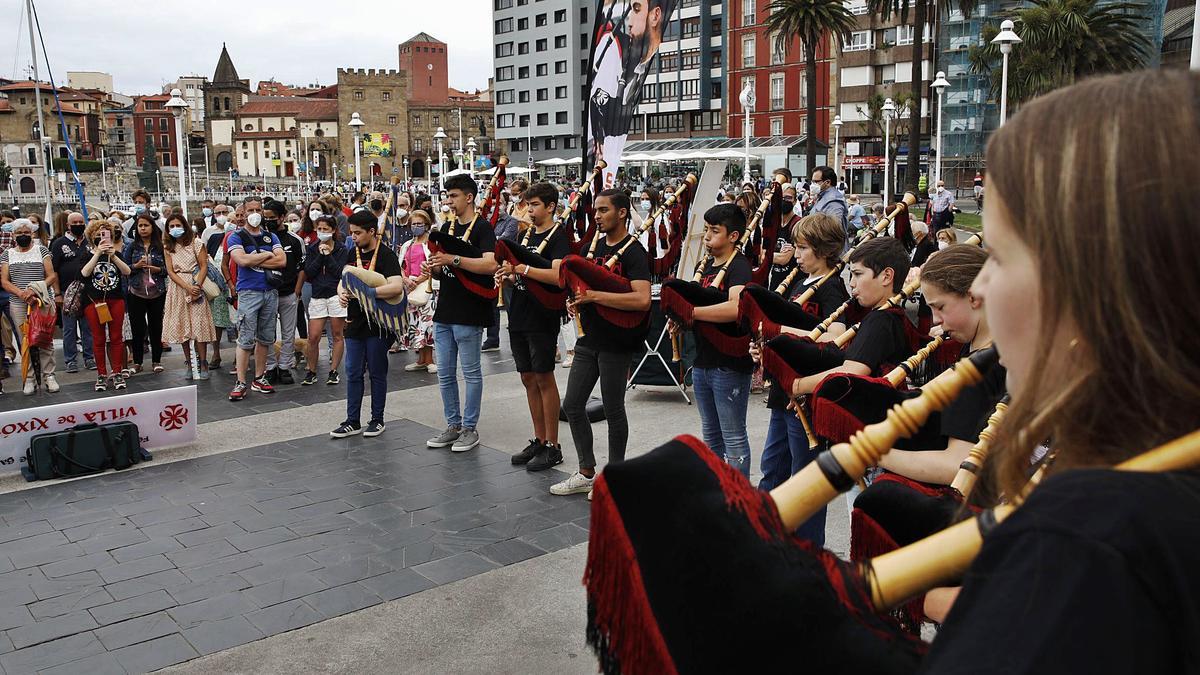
(1064, 41)
(918, 11)
(902, 122)
(809, 21)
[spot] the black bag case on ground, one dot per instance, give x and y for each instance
(83, 449)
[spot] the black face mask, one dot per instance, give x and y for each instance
(77, 230)
(23, 240)
(790, 202)
(270, 223)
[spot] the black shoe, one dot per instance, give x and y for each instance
(549, 456)
(347, 429)
(309, 378)
(490, 347)
(374, 428)
(272, 376)
(528, 453)
(285, 376)
(333, 378)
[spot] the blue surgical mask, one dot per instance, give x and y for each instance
(206, 211)
(324, 236)
(645, 206)
(418, 230)
(139, 208)
(230, 226)
(176, 232)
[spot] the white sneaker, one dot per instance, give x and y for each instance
(589, 495)
(431, 368)
(51, 384)
(566, 363)
(30, 387)
(576, 484)
(414, 367)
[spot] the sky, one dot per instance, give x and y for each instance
(144, 45)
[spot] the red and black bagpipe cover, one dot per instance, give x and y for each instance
(580, 223)
(672, 229)
(787, 358)
(680, 298)
(768, 234)
(760, 306)
(576, 273)
(682, 548)
(902, 226)
(550, 296)
(493, 205)
(895, 511)
(844, 403)
(483, 285)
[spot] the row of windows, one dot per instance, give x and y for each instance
(148, 122)
(688, 59)
(360, 95)
(509, 120)
(506, 96)
(709, 120)
(865, 39)
(686, 90)
(505, 73)
(429, 50)
(548, 143)
(778, 89)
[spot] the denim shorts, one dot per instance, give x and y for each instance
(257, 312)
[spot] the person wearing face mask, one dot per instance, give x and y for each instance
(141, 204)
(322, 272)
(215, 224)
(279, 368)
(829, 199)
(926, 245)
(208, 212)
(941, 208)
(21, 265)
(8, 326)
(146, 293)
(946, 237)
(419, 334)
(68, 253)
(187, 316)
(103, 303)
(784, 259)
(255, 250)
(517, 208)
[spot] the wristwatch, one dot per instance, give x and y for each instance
(456, 261)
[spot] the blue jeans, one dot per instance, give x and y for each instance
(785, 453)
(452, 345)
(366, 356)
(76, 329)
(722, 396)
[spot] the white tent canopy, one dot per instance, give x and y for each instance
(510, 169)
(553, 161)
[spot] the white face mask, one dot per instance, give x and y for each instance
(943, 245)
(222, 218)
(941, 188)
(815, 188)
(645, 206)
(254, 219)
(315, 214)
(230, 227)
(294, 226)
(206, 211)
(402, 213)
(324, 236)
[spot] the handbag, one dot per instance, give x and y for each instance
(211, 291)
(83, 449)
(73, 299)
(103, 315)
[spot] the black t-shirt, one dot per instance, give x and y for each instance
(880, 342)
(105, 282)
(925, 248)
(634, 265)
(67, 257)
(824, 301)
(456, 304)
(1094, 574)
(780, 272)
(525, 313)
(968, 414)
(707, 355)
(357, 324)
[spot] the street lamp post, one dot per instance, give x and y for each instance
(471, 147)
(356, 124)
(837, 137)
(747, 100)
(940, 84)
(158, 181)
(439, 137)
(405, 172)
(1006, 38)
(178, 108)
(889, 109)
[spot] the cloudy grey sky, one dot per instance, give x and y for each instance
(144, 44)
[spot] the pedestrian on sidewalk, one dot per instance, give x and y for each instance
(187, 319)
(146, 292)
(941, 205)
(322, 273)
(68, 253)
(279, 368)
(103, 304)
(418, 336)
(257, 254)
(25, 262)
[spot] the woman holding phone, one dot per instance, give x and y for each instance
(103, 303)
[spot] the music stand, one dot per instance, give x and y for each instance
(654, 351)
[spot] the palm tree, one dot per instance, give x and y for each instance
(920, 11)
(810, 21)
(1064, 41)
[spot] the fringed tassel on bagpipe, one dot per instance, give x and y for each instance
(549, 296)
(758, 305)
(680, 298)
(483, 285)
(493, 205)
(651, 611)
(787, 358)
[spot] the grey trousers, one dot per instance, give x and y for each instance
(288, 305)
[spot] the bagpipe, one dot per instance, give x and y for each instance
(361, 283)
(492, 206)
(548, 295)
(444, 241)
(769, 215)
(578, 216)
(672, 228)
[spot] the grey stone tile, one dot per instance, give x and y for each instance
(100, 664)
(6, 645)
(342, 600)
(145, 549)
(509, 552)
(278, 570)
(70, 566)
(557, 538)
(155, 654)
(138, 605)
(423, 552)
(53, 653)
(44, 556)
(195, 591)
(164, 515)
(248, 541)
(214, 636)
(24, 531)
(137, 630)
(287, 549)
(282, 503)
(455, 567)
(142, 506)
(83, 581)
(18, 595)
(136, 568)
(327, 523)
(174, 527)
(222, 606)
(267, 521)
(106, 542)
(231, 565)
(166, 579)
(283, 617)
(50, 629)
(202, 554)
(351, 571)
(207, 534)
(288, 588)
(397, 584)
(69, 603)
(12, 616)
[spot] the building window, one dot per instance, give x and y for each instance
(504, 49)
(748, 12)
(542, 69)
(149, 124)
(417, 119)
(560, 16)
(884, 74)
(551, 143)
(533, 144)
(747, 51)
(777, 89)
(245, 145)
(391, 121)
(560, 41)
(691, 27)
(543, 119)
(541, 45)
(358, 95)
(689, 59)
(859, 41)
(120, 121)
(216, 104)
(560, 67)
(668, 91)
(166, 159)
(387, 96)
(504, 73)
(245, 155)
(649, 93)
(523, 48)
(162, 124)
(164, 141)
(523, 72)
(776, 126)
(666, 123)
(523, 121)
(266, 153)
(540, 20)
(504, 96)
(560, 117)
(504, 26)
(560, 92)
(706, 120)
(524, 96)
(778, 55)
(569, 142)
(417, 147)
(227, 103)
(503, 4)
(583, 15)
(523, 24)
(514, 145)
(803, 89)
(437, 120)
(543, 94)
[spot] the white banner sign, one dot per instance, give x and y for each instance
(164, 418)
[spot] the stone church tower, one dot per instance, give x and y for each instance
(224, 95)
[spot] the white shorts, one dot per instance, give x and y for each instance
(323, 308)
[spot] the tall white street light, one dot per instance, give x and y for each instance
(940, 84)
(356, 125)
(471, 148)
(179, 108)
(837, 136)
(1006, 38)
(158, 181)
(439, 137)
(405, 172)
(889, 109)
(746, 98)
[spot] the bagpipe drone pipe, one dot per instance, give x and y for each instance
(483, 285)
(673, 229)
(548, 295)
(361, 283)
(492, 206)
(577, 218)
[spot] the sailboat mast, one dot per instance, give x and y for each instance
(37, 97)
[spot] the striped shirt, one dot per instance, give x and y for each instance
(26, 267)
